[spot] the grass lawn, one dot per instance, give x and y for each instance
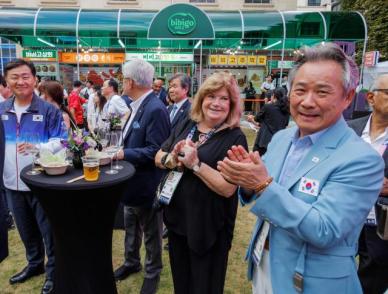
(236, 281)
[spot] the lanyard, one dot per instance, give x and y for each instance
(205, 138)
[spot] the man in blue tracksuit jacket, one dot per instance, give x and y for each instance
(25, 113)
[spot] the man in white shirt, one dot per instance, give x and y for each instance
(88, 90)
(373, 251)
(267, 85)
(115, 104)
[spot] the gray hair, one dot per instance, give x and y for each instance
(377, 81)
(328, 52)
(140, 71)
(184, 80)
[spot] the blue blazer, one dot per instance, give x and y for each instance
(317, 235)
(3, 210)
(148, 130)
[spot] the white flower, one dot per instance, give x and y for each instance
(91, 142)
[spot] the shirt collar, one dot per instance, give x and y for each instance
(312, 138)
(366, 131)
(179, 104)
(135, 104)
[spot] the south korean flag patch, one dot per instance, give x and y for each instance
(309, 186)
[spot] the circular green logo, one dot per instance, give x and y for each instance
(181, 23)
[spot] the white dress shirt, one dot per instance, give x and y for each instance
(115, 105)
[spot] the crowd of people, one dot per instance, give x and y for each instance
(312, 187)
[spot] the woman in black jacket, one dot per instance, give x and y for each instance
(273, 116)
(250, 93)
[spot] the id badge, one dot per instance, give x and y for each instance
(259, 246)
(371, 219)
(169, 186)
(298, 282)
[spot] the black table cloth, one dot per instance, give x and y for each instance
(81, 215)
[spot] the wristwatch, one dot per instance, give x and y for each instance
(196, 167)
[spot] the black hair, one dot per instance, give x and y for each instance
(101, 100)
(96, 88)
(77, 84)
(2, 81)
(113, 83)
(282, 99)
(17, 63)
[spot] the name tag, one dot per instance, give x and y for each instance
(4, 117)
(259, 246)
(309, 186)
(371, 219)
(37, 117)
(169, 186)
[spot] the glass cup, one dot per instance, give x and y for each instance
(91, 167)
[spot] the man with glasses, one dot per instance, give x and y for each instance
(144, 132)
(373, 251)
(26, 113)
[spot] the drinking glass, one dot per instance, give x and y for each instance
(117, 166)
(31, 142)
(111, 150)
(91, 166)
(103, 136)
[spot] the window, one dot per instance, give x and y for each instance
(310, 29)
(313, 2)
(258, 1)
(202, 1)
(8, 52)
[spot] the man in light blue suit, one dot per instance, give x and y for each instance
(314, 188)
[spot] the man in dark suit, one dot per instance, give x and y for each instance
(160, 91)
(179, 88)
(3, 209)
(145, 130)
(373, 251)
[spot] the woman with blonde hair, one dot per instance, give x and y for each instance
(201, 214)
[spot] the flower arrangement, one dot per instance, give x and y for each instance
(79, 141)
(114, 121)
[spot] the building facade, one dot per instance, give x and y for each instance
(222, 5)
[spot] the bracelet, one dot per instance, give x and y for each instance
(163, 159)
(261, 187)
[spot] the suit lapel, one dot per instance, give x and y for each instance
(361, 125)
(138, 115)
(180, 112)
(322, 148)
(281, 152)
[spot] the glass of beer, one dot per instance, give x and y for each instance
(91, 168)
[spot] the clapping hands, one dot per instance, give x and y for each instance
(243, 168)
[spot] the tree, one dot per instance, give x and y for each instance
(376, 15)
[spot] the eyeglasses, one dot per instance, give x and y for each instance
(385, 91)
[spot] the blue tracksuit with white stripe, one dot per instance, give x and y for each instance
(42, 118)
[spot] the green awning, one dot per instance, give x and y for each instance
(246, 30)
